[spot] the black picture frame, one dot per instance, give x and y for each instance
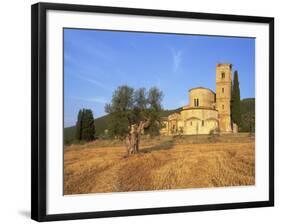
(38, 109)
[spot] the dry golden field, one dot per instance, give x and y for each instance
(163, 163)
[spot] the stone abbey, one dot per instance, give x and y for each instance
(208, 112)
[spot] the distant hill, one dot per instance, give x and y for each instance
(166, 113)
(69, 135)
(247, 117)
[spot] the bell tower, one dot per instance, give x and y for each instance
(223, 96)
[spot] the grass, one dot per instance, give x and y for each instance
(163, 163)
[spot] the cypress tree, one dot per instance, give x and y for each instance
(79, 125)
(85, 125)
(88, 125)
(235, 101)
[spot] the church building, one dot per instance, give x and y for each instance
(208, 111)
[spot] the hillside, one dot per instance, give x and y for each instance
(69, 135)
(248, 115)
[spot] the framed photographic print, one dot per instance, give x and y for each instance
(139, 111)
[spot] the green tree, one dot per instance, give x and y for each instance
(129, 106)
(140, 98)
(155, 97)
(140, 105)
(88, 125)
(120, 111)
(235, 101)
(79, 126)
(85, 125)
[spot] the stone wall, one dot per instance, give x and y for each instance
(206, 97)
(223, 95)
(199, 121)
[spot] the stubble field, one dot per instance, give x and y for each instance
(163, 163)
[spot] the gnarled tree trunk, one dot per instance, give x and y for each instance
(133, 137)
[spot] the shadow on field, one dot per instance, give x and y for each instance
(166, 145)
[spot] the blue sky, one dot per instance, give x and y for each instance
(97, 62)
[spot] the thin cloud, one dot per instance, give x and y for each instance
(90, 48)
(99, 84)
(97, 99)
(177, 59)
(95, 82)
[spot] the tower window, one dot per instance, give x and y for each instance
(196, 102)
(202, 123)
(222, 75)
(190, 123)
(222, 90)
(223, 107)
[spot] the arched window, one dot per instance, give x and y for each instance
(190, 123)
(222, 90)
(196, 102)
(223, 107)
(222, 75)
(202, 123)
